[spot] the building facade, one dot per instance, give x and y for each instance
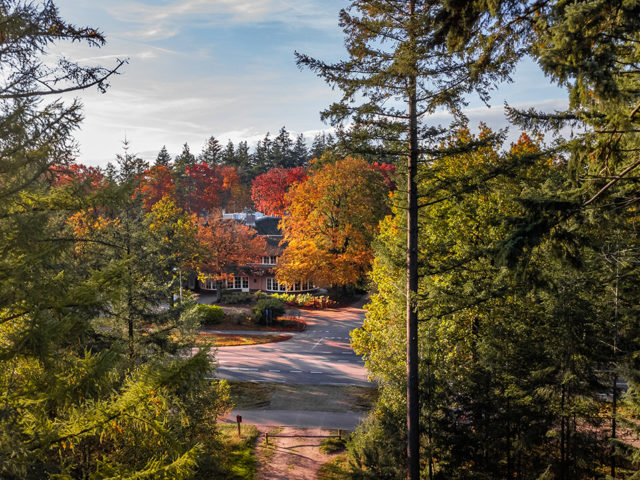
(261, 275)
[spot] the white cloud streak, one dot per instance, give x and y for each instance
(157, 22)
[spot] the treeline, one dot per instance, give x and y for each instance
(281, 151)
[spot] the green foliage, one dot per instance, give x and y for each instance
(235, 298)
(97, 377)
(205, 314)
(297, 299)
(333, 445)
(275, 306)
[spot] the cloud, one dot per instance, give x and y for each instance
(157, 22)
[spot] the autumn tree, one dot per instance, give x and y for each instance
(156, 184)
(226, 244)
(330, 222)
(268, 191)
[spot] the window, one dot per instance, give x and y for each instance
(296, 287)
(265, 261)
(274, 260)
(237, 282)
(245, 282)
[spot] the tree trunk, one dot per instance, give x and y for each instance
(413, 444)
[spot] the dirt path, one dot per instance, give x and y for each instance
(292, 457)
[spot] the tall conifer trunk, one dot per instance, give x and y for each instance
(413, 444)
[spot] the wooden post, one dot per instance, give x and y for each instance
(340, 434)
(239, 421)
(266, 438)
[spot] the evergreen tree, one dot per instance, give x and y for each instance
(229, 155)
(212, 153)
(261, 158)
(321, 142)
(184, 160)
(299, 153)
(395, 50)
(280, 155)
(73, 404)
(243, 162)
(163, 159)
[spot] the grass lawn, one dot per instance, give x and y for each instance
(240, 452)
(277, 396)
(335, 469)
(233, 340)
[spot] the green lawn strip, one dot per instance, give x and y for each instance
(233, 340)
(326, 398)
(240, 452)
(335, 469)
(334, 444)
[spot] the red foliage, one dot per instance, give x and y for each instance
(386, 170)
(78, 173)
(269, 189)
(156, 184)
(204, 188)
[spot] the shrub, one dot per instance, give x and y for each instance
(209, 314)
(234, 298)
(275, 306)
(235, 316)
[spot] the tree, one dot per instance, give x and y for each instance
(299, 153)
(73, 405)
(203, 188)
(156, 184)
(330, 223)
(211, 153)
(229, 155)
(395, 50)
(268, 191)
(163, 159)
(226, 244)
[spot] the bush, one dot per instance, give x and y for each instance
(209, 314)
(275, 306)
(234, 298)
(235, 316)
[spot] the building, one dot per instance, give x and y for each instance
(257, 276)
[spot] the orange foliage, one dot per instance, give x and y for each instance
(331, 221)
(227, 243)
(156, 184)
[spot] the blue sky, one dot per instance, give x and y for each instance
(225, 68)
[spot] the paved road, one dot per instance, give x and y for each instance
(298, 418)
(320, 355)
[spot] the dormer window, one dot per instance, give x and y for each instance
(269, 260)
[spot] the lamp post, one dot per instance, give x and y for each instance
(179, 270)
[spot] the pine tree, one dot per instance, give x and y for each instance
(211, 153)
(229, 155)
(184, 160)
(299, 152)
(280, 155)
(394, 50)
(163, 159)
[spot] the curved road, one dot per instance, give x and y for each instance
(320, 355)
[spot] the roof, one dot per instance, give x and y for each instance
(268, 226)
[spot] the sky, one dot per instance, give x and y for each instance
(226, 68)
